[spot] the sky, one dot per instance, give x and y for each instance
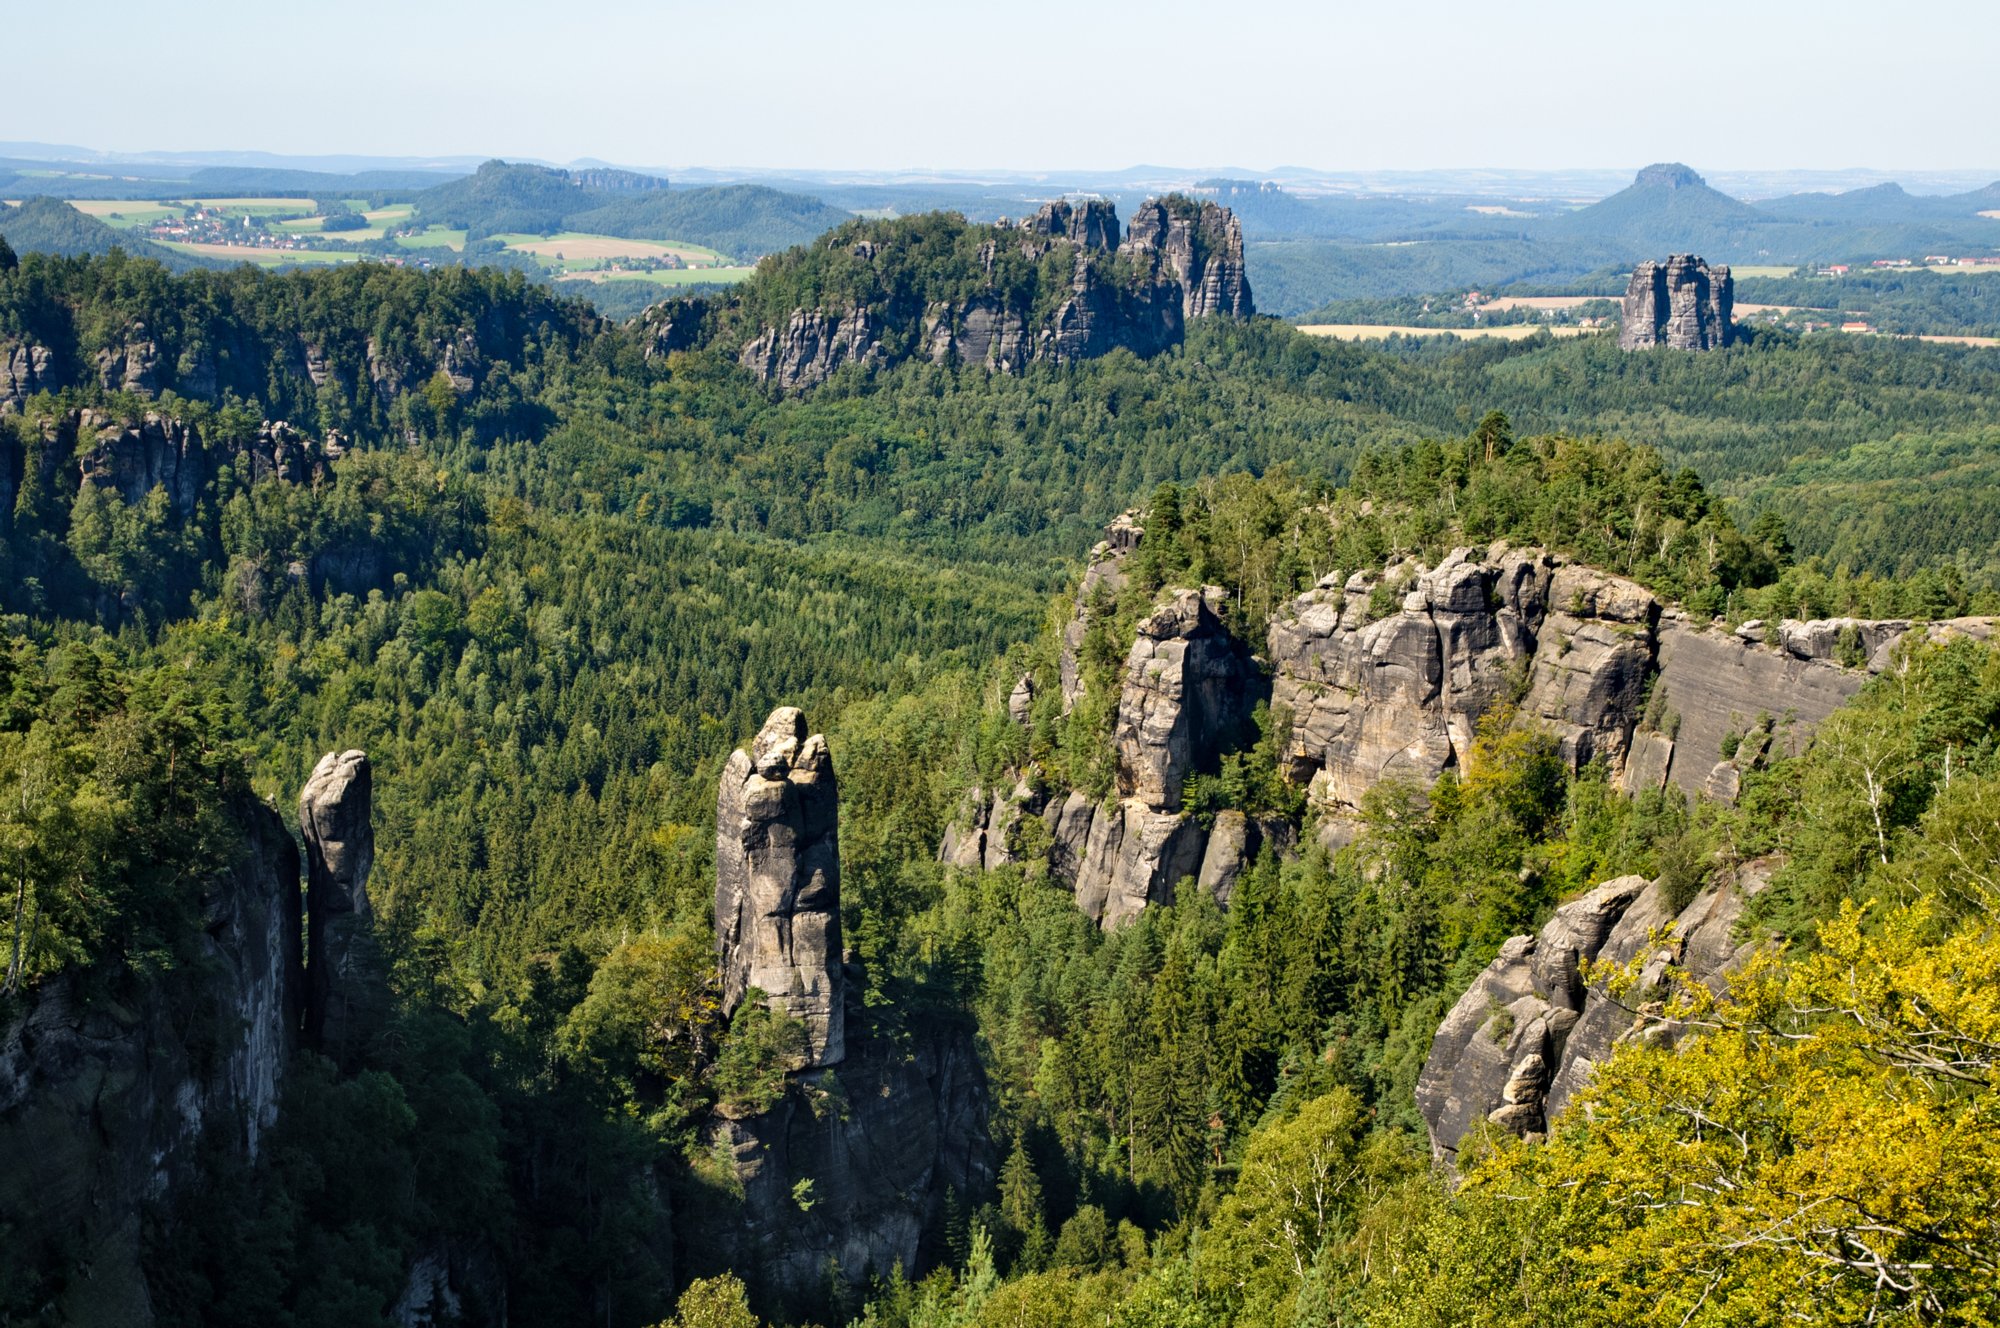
(1019, 85)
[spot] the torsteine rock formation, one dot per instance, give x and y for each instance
(777, 880)
(1180, 259)
(1525, 1036)
(343, 965)
(1683, 304)
(1386, 676)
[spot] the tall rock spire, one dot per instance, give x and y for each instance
(344, 974)
(777, 880)
(1683, 304)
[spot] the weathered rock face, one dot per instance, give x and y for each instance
(812, 346)
(1103, 580)
(1188, 690)
(132, 458)
(344, 966)
(777, 880)
(131, 366)
(106, 1102)
(1179, 260)
(24, 371)
(1400, 696)
(1683, 304)
(1528, 1032)
(857, 1180)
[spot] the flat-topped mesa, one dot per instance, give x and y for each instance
(1682, 304)
(344, 975)
(777, 881)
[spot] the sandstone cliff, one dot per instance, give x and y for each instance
(1525, 1036)
(1057, 287)
(848, 1166)
(345, 975)
(107, 1098)
(1386, 676)
(777, 881)
(1683, 304)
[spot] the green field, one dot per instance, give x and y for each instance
(1761, 269)
(379, 222)
(437, 237)
(254, 207)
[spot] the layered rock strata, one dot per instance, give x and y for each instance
(777, 881)
(1682, 304)
(1525, 1037)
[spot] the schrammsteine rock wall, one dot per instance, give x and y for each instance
(1179, 260)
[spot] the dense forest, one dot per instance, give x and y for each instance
(549, 579)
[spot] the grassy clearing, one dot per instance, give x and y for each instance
(1378, 331)
(579, 247)
(1740, 270)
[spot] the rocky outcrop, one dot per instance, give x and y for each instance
(344, 969)
(1529, 1031)
(107, 1098)
(1683, 304)
(812, 347)
(24, 371)
(1187, 692)
(132, 458)
(1179, 260)
(1103, 581)
(850, 1172)
(777, 881)
(132, 365)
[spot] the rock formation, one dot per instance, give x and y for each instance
(1525, 1036)
(107, 1104)
(1683, 304)
(856, 1180)
(777, 880)
(343, 964)
(1180, 259)
(24, 371)
(848, 1167)
(1386, 676)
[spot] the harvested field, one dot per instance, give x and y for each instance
(1377, 331)
(575, 247)
(1542, 302)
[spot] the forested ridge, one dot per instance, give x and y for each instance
(549, 581)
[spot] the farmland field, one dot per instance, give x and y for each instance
(575, 246)
(124, 213)
(255, 207)
(687, 276)
(1377, 331)
(247, 253)
(1542, 302)
(1761, 270)
(437, 237)
(379, 222)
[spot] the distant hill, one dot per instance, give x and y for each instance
(51, 226)
(261, 181)
(1882, 203)
(503, 197)
(1667, 208)
(746, 221)
(743, 220)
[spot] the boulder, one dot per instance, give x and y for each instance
(777, 881)
(1525, 1037)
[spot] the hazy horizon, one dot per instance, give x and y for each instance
(905, 87)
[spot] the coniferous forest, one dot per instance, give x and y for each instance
(549, 573)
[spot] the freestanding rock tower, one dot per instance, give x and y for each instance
(343, 970)
(1683, 304)
(777, 881)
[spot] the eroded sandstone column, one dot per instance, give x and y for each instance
(344, 975)
(777, 880)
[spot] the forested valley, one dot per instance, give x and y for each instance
(548, 576)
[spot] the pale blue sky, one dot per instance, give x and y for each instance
(901, 84)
